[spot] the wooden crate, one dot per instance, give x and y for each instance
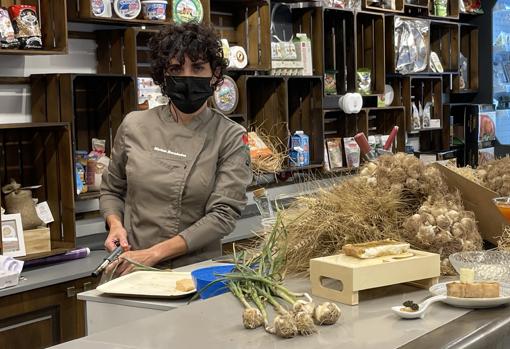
(356, 274)
(53, 22)
(37, 240)
(246, 24)
(368, 5)
(423, 89)
(370, 48)
(400, 89)
(267, 106)
(94, 104)
(469, 49)
(339, 49)
(40, 153)
(80, 11)
(382, 120)
(337, 124)
(305, 113)
(452, 10)
(444, 40)
(417, 8)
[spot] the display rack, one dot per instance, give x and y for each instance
(52, 19)
(40, 154)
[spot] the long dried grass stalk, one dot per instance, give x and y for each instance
(273, 163)
(504, 240)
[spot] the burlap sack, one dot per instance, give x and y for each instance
(20, 201)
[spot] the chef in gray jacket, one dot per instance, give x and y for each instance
(177, 180)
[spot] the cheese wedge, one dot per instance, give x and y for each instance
(184, 285)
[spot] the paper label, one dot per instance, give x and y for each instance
(44, 212)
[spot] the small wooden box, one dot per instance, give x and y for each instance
(37, 240)
(355, 274)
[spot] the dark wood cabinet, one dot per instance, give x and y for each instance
(43, 317)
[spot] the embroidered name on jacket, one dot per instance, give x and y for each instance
(166, 151)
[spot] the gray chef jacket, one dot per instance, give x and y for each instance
(166, 178)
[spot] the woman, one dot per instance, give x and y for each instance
(177, 180)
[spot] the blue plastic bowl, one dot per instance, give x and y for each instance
(203, 276)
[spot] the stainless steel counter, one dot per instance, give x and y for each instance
(216, 323)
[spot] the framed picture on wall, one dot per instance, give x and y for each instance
(13, 241)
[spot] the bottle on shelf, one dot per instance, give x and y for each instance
(263, 203)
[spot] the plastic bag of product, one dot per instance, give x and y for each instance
(464, 74)
(7, 36)
(352, 152)
(411, 45)
(364, 81)
(95, 165)
(26, 26)
(416, 122)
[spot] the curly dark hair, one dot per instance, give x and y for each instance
(197, 41)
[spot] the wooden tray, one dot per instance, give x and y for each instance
(149, 284)
(354, 274)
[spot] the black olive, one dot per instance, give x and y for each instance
(408, 304)
(415, 307)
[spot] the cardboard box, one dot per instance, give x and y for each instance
(37, 240)
(478, 199)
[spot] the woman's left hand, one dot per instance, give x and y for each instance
(146, 257)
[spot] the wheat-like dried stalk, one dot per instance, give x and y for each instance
(274, 162)
(504, 240)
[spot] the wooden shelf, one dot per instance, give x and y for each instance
(32, 52)
(92, 195)
(469, 49)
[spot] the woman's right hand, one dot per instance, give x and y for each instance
(117, 234)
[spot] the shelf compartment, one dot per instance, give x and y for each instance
(53, 23)
(337, 124)
(469, 49)
(444, 41)
(423, 89)
(369, 6)
(94, 105)
(452, 10)
(40, 153)
(80, 11)
(381, 122)
(339, 49)
(400, 90)
(246, 24)
(370, 48)
(267, 106)
(305, 113)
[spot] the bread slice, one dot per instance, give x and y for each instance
(375, 249)
(473, 289)
(184, 285)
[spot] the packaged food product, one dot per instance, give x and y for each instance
(95, 166)
(101, 8)
(127, 9)
(80, 159)
(26, 26)
(352, 152)
(185, 11)
(364, 81)
(334, 146)
(226, 96)
(154, 9)
(258, 149)
(300, 153)
(7, 36)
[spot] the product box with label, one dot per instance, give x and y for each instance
(300, 149)
(478, 199)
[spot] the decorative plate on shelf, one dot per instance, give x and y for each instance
(226, 97)
(504, 298)
(185, 11)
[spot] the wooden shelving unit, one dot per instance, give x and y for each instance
(40, 153)
(422, 89)
(52, 19)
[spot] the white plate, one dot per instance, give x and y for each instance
(440, 289)
(151, 284)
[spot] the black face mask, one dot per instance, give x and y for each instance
(188, 93)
